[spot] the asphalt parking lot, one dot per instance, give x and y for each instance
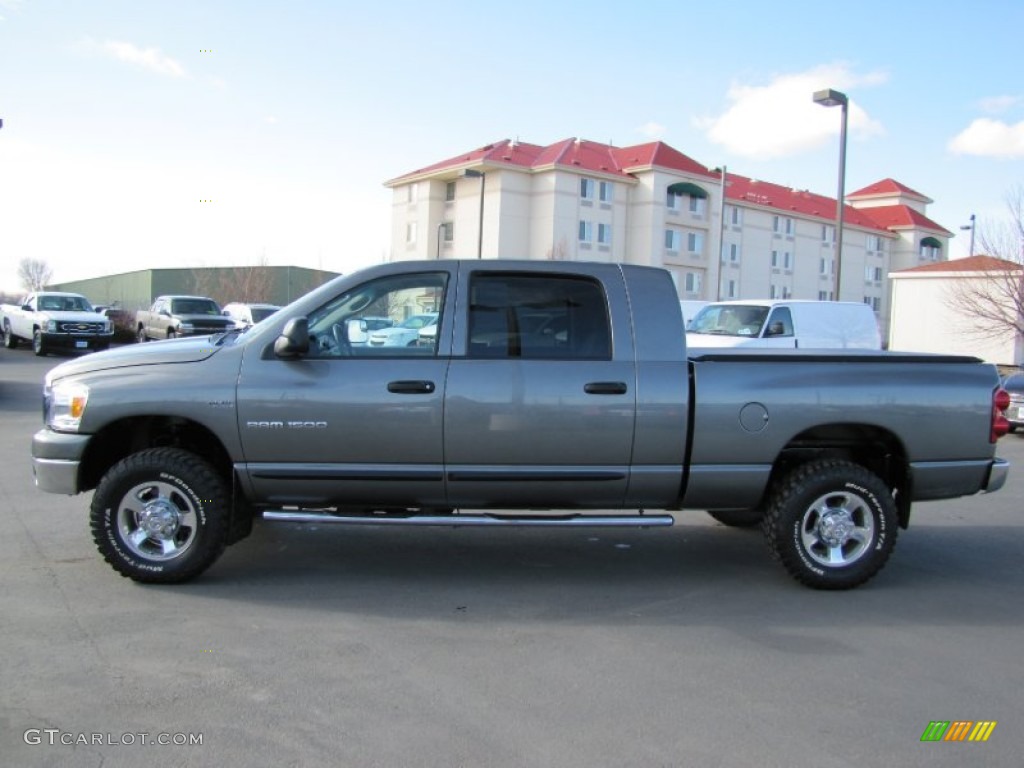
(369, 647)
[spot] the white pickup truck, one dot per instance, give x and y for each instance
(54, 319)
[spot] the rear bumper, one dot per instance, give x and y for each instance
(997, 475)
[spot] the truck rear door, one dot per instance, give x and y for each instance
(541, 395)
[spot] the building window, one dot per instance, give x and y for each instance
(787, 260)
(783, 225)
(410, 232)
(731, 289)
(411, 193)
(824, 295)
(875, 243)
(672, 201)
(586, 231)
(604, 234)
(825, 267)
(448, 231)
(691, 283)
(874, 302)
(695, 242)
(731, 253)
(828, 234)
(449, 191)
(697, 205)
(606, 191)
(587, 189)
(672, 239)
(735, 216)
(872, 274)
(775, 261)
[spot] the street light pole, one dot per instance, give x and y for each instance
(471, 174)
(970, 227)
(833, 98)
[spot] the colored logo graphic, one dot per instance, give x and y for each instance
(959, 730)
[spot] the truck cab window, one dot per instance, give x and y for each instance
(390, 317)
(538, 317)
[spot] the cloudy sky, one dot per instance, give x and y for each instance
(155, 134)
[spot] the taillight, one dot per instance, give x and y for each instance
(1000, 426)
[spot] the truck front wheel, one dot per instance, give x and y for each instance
(10, 340)
(161, 515)
(831, 523)
(38, 343)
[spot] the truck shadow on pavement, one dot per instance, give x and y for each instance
(694, 573)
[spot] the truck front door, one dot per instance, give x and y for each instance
(350, 424)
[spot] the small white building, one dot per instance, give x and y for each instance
(928, 312)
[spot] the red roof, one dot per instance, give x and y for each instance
(595, 157)
(574, 153)
(902, 216)
(888, 187)
(786, 199)
(968, 264)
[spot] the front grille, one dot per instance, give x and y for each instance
(69, 327)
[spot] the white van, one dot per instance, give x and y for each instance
(803, 324)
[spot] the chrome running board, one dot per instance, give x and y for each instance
(457, 520)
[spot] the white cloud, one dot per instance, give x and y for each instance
(989, 138)
(652, 130)
(780, 118)
(152, 59)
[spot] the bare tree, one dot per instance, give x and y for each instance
(34, 274)
(991, 299)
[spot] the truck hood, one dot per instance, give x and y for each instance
(73, 317)
(188, 349)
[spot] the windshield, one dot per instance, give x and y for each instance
(729, 320)
(194, 307)
(64, 304)
(418, 321)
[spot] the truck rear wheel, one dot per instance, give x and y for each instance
(831, 523)
(161, 516)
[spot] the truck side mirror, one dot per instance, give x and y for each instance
(294, 339)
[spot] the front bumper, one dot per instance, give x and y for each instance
(56, 457)
(76, 341)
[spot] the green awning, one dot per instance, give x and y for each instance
(686, 188)
(931, 242)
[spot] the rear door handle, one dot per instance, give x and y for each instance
(605, 388)
(411, 387)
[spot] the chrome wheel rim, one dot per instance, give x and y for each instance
(837, 529)
(157, 521)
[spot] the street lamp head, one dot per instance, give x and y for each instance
(830, 98)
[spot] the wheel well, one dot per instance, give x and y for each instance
(128, 436)
(874, 448)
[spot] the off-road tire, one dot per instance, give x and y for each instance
(151, 488)
(831, 497)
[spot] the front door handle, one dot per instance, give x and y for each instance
(411, 387)
(606, 388)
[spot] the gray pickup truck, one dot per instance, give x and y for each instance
(553, 394)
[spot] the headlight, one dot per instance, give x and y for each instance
(51, 326)
(65, 405)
